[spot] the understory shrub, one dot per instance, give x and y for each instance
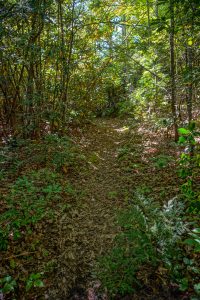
(189, 164)
(150, 236)
(53, 152)
(27, 202)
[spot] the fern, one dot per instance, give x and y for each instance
(149, 237)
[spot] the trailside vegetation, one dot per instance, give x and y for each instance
(100, 149)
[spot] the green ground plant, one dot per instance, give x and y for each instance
(27, 203)
(162, 161)
(188, 171)
(189, 165)
(34, 280)
(150, 236)
(7, 285)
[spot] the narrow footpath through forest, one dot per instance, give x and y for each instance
(118, 162)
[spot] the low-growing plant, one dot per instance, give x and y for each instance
(150, 236)
(7, 285)
(194, 239)
(188, 171)
(189, 165)
(34, 280)
(112, 194)
(27, 203)
(58, 151)
(161, 161)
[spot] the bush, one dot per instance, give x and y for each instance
(26, 203)
(150, 236)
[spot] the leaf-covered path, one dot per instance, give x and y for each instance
(89, 229)
(115, 166)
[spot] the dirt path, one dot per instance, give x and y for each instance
(87, 228)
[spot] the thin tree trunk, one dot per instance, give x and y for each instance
(172, 70)
(189, 93)
(124, 76)
(156, 9)
(148, 20)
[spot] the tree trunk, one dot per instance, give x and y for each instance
(172, 70)
(189, 93)
(148, 20)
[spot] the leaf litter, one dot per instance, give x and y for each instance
(83, 227)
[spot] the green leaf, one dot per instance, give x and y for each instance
(7, 279)
(196, 230)
(197, 288)
(35, 276)
(184, 284)
(182, 139)
(190, 242)
(38, 283)
(197, 248)
(192, 126)
(29, 285)
(184, 131)
(190, 42)
(197, 240)
(9, 286)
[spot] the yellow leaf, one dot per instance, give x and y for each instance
(190, 42)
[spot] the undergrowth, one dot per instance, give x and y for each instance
(35, 186)
(150, 236)
(159, 242)
(27, 202)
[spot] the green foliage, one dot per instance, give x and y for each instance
(54, 152)
(162, 161)
(34, 280)
(194, 240)
(150, 236)
(163, 123)
(188, 134)
(27, 203)
(126, 152)
(112, 195)
(189, 164)
(197, 288)
(7, 285)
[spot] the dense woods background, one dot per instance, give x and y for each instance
(72, 71)
(67, 60)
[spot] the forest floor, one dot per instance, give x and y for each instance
(120, 158)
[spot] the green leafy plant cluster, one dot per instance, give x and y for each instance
(34, 280)
(54, 152)
(150, 236)
(162, 161)
(8, 285)
(27, 203)
(188, 171)
(194, 239)
(189, 166)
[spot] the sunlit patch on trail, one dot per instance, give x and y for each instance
(122, 129)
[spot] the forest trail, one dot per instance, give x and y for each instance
(87, 229)
(90, 229)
